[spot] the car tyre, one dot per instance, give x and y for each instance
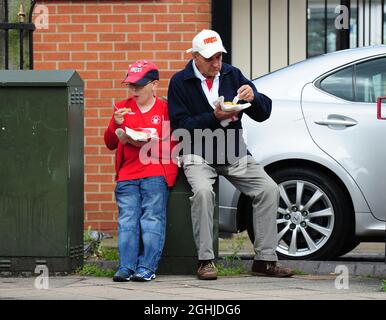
(310, 243)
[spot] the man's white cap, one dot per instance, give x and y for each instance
(207, 43)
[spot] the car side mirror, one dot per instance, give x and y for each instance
(381, 108)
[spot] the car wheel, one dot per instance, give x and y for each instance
(348, 246)
(313, 218)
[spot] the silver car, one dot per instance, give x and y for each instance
(325, 147)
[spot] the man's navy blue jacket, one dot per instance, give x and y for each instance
(189, 109)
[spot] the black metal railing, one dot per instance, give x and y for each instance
(23, 27)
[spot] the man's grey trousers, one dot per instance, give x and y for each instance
(249, 178)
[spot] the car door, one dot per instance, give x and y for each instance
(340, 110)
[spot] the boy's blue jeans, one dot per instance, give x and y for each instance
(142, 206)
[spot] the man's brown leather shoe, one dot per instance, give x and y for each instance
(207, 271)
(270, 269)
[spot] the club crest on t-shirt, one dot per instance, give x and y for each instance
(155, 119)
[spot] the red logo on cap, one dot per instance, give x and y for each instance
(210, 40)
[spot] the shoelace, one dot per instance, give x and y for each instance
(208, 266)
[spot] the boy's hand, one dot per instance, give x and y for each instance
(119, 116)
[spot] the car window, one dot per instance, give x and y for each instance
(340, 84)
(370, 80)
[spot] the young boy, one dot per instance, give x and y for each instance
(142, 186)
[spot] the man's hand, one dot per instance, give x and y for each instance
(222, 115)
(245, 93)
(119, 115)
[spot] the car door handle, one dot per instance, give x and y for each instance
(337, 122)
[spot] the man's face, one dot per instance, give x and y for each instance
(208, 67)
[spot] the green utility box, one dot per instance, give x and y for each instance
(41, 171)
(180, 254)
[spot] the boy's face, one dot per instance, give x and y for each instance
(143, 94)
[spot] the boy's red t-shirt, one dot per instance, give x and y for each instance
(154, 159)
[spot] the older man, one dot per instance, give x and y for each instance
(194, 106)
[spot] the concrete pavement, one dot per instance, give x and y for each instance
(245, 287)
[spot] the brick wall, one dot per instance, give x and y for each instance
(99, 39)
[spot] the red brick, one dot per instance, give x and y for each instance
(56, 56)
(180, 46)
(111, 37)
(155, 46)
(202, 17)
(99, 66)
(71, 65)
(96, 140)
(154, 27)
(91, 94)
(71, 46)
(83, 37)
(55, 19)
(95, 206)
(84, 19)
(84, 56)
(162, 18)
(140, 37)
(68, 28)
(88, 74)
(108, 226)
(98, 196)
(111, 74)
(90, 112)
(99, 28)
(126, 28)
(114, 18)
(91, 131)
(140, 18)
(112, 56)
(126, 46)
(149, 8)
(108, 206)
(168, 36)
(107, 169)
(126, 9)
(115, 94)
(182, 27)
(56, 37)
(62, 9)
(45, 47)
(103, 84)
(92, 8)
(168, 55)
(91, 187)
(91, 168)
(184, 8)
(104, 216)
(99, 178)
(44, 65)
(106, 187)
(100, 46)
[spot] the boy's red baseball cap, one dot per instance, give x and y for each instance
(141, 73)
